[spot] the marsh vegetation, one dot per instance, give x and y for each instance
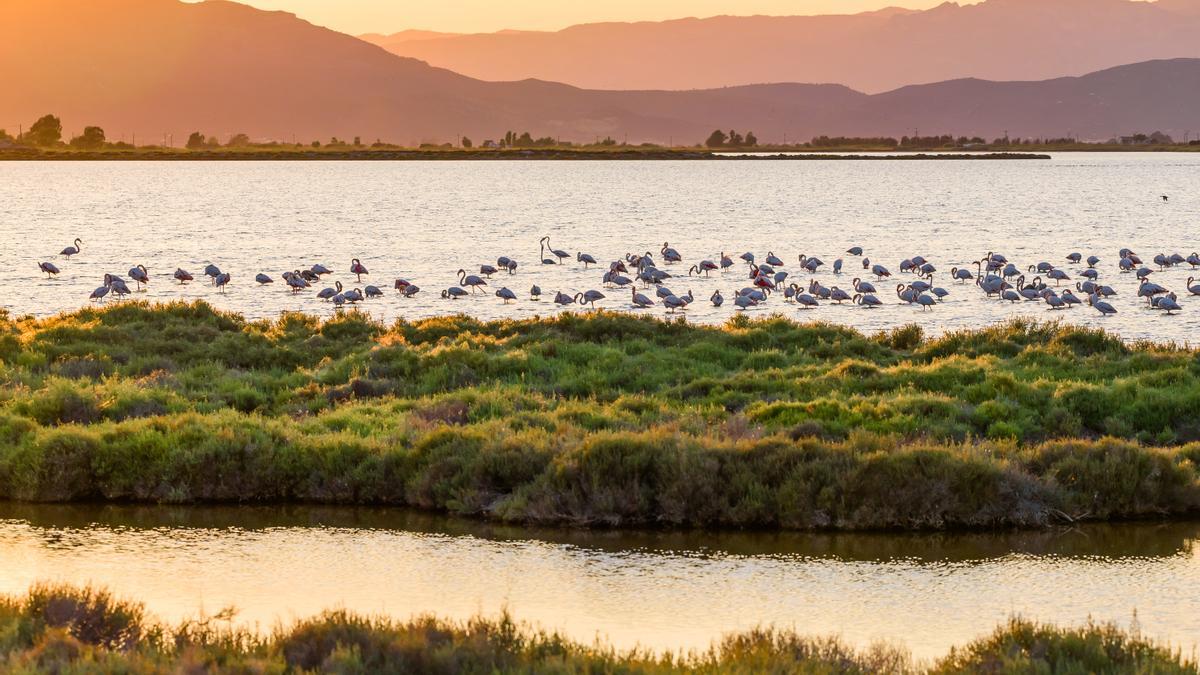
(59, 629)
(600, 419)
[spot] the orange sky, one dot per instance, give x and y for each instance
(387, 16)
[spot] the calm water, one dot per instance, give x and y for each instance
(662, 590)
(424, 220)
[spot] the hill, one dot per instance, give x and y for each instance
(157, 67)
(871, 52)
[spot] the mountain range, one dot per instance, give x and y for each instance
(157, 67)
(871, 52)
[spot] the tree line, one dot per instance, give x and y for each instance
(47, 132)
(720, 139)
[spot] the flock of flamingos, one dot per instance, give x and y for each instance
(765, 279)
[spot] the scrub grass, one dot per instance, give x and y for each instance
(66, 629)
(601, 419)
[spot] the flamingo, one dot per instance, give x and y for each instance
(453, 293)
(98, 294)
(183, 275)
(222, 280)
(867, 300)
(589, 298)
(118, 286)
(674, 302)
(328, 293)
(669, 254)
(560, 254)
(1168, 304)
(49, 268)
(717, 299)
(863, 287)
(357, 269)
(639, 300)
(1194, 290)
(263, 279)
(535, 292)
(72, 250)
(585, 258)
(320, 270)
(295, 281)
(470, 280)
(506, 295)
(1101, 306)
(140, 275)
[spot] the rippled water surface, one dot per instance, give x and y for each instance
(424, 220)
(662, 590)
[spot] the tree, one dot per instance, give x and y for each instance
(91, 139)
(466, 143)
(358, 141)
(735, 139)
(751, 139)
(239, 141)
(46, 131)
(717, 139)
(195, 141)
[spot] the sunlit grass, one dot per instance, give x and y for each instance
(600, 419)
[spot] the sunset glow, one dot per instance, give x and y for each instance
(656, 337)
(476, 16)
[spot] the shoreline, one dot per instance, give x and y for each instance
(503, 155)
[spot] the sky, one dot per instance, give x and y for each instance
(477, 16)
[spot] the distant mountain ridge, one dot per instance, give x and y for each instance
(159, 68)
(871, 52)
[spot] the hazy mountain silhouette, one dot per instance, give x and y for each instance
(152, 67)
(872, 52)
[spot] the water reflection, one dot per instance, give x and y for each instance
(656, 588)
(1096, 540)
